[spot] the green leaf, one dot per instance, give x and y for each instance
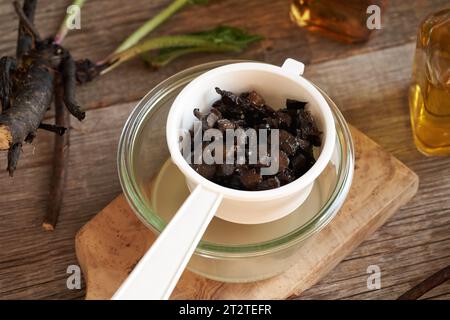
(228, 35)
(220, 39)
(167, 55)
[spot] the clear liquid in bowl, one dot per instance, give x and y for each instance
(168, 191)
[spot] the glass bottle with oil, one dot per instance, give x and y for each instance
(341, 20)
(429, 98)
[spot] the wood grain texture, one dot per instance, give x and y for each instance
(33, 262)
(105, 23)
(110, 245)
(369, 82)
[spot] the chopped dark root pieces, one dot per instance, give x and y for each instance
(298, 134)
(295, 104)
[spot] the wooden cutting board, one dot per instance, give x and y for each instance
(110, 245)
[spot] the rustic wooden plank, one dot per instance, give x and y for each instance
(402, 266)
(374, 196)
(33, 263)
(104, 24)
(380, 109)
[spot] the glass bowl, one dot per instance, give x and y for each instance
(228, 252)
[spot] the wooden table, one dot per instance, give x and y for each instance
(369, 82)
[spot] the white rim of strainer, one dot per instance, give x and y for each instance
(328, 140)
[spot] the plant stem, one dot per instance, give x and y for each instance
(151, 25)
(24, 40)
(159, 43)
(25, 21)
(63, 29)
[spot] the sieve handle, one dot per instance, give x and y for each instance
(159, 270)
